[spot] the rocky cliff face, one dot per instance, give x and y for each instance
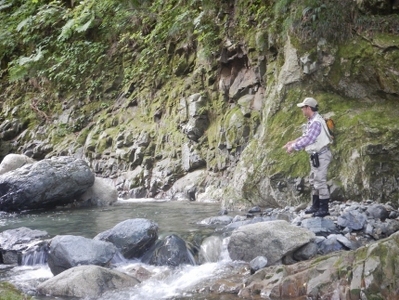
(214, 128)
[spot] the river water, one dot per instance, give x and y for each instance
(176, 217)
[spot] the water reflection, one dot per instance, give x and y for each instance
(177, 217)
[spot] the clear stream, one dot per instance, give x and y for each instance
(180, 218)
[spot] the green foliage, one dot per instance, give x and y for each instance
(315, 19)
(60, 46)
(336, 21)
(371, 24)
(68, 47)
(162, 28)
(282, 7)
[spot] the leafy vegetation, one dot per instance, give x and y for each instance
(68, 46)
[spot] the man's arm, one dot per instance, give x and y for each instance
(308, 138)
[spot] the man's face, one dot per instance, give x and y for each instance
(307, 111)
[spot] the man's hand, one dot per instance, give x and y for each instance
(289, 146)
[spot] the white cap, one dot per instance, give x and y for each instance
(309, 102)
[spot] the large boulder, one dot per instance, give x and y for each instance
(274, 240)
(101, 193)
(46, 183)
(131, 237)
(87, 282)
(67, 251)
(14, 242)
(14, 161)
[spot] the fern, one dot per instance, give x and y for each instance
(66, 30)
(33, 58)
(24, 23)
(4, 5)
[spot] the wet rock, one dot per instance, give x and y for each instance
(47, 183)
(257, 263)
(171, 251)
(139, 272)
(14, 241)
(219, 220)
(87, 282)
(274, 240)
(67, 251)
(131, 237)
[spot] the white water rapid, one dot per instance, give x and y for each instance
(158, 283)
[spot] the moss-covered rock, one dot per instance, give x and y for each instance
(251, 61)
(9, 292)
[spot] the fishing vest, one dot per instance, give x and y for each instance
(323, 139)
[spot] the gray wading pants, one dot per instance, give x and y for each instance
(318, 176)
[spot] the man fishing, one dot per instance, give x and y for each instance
(315, 141)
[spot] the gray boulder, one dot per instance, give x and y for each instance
(101, 193)
(378, 211)
(132, 237)
(46, 183)
(273, 240)
(87, 282)
(67, 251)
(352, 219)
(14, 161)
(14, 242)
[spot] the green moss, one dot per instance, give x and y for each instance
(355, 293)
(9, 292)
(320, 259)
(280, 270)
(82, 136)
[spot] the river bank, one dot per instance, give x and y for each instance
(219, 276)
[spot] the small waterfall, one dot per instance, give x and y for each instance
(184, 281)
(191, 257)
(176, 282)
(214, 249)
(36, 254)
(211, 249)
(119, 259)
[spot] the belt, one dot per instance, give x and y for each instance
(323, 150)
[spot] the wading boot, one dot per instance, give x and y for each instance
(315, 205)
(323, 210)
